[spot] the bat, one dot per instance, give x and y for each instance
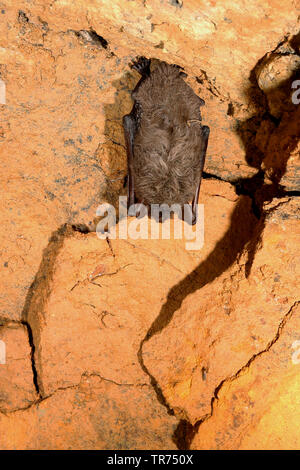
(165, 140)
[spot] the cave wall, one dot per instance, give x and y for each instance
(203, 334)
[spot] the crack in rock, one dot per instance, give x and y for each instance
(244, 368)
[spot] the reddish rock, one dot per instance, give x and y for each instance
(259, 408)
(282, 162)
(231, 315)
(276, 74)
(95, 414)
(67, 90)
(17, 389)
(92, 305)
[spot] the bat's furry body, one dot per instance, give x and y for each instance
(165, 141)
(166, 164)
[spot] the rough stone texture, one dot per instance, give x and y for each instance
(275, 75)
(16, 379)
(90, 314)
(66, 92)
(282, 162)
(259, 409)
(220, 327)
(95, 415)
(127, 333)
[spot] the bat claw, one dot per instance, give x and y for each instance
(141, 65)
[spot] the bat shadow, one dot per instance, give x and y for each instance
(244, 233)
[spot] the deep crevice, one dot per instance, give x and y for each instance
(291, 193)
(32, 357)
(37, 296)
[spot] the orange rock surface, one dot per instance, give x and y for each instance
(259, 407)
(145, 344)
(16, 385)
(235, 314)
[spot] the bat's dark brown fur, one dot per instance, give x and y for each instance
(166, 143)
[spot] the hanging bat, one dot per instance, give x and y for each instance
(165, 140)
